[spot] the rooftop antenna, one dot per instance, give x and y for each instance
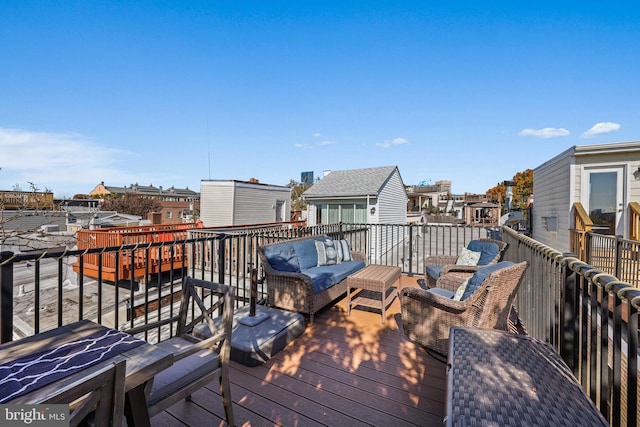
(208, 149)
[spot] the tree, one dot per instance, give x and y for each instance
(131, 204)
(522, 189)
(497, 193)
(297, 188)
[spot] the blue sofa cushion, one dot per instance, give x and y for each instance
(488, 250)
(282, 257)
(325, 276)
(480, 275)
(307, 254)
(442, 292)
(434, 271)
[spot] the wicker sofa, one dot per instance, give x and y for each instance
(296, 282)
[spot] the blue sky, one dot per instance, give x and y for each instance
(173, 92)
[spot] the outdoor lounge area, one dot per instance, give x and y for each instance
(342, 371)
(348, 367)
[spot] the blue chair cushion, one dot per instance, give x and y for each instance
(442, 292)
(307, 254)
(434, 271)
(325, 276)
(480, 275)
(282, 257)
(488, 250)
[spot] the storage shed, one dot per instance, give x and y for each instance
(604, 178)
(360, 196)
(232, 202)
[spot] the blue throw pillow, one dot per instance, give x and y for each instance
(488, 250)
(480, 275)
(307, 254)
(282, 257)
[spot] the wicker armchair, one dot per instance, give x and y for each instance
(427, 316)
(444, 263)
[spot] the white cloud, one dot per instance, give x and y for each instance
(317, 134)
(544, 133)
(311, 146)
(601, 129)
(63, 162)
(389, 143)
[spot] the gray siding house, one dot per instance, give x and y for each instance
(361, 196)
(604, 178)
(232, 202)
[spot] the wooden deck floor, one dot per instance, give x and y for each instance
(342, 371)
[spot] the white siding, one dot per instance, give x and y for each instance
(257, 205)
(392, 201)
(557, 184)
(552, 199)
(216, 203)
(391, 208)
(225, 203)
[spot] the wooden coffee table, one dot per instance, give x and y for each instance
(375, 284)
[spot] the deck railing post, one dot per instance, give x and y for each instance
(569, 326)
(618, 260)
(6, 297)
(222, 246)
(411, 250)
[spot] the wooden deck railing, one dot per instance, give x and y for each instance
(634, 221)
(582, 225)
(132, 262)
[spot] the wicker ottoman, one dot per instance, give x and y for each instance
(375, 284)
(502, 379)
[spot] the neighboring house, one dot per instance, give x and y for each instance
(422, 197)
(232, 202)
(177, 205)
(361, 196)
(604, 178)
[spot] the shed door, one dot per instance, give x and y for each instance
(602, 196)
(280, 214)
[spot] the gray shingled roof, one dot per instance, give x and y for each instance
(355, 182)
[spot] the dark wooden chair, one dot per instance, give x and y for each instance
(197, 361)
(99, 390)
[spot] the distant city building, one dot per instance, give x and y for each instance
(19, 200)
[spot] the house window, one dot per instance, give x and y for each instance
(169, 214)
(350, 213)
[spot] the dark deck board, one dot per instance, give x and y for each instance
(342, 371)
